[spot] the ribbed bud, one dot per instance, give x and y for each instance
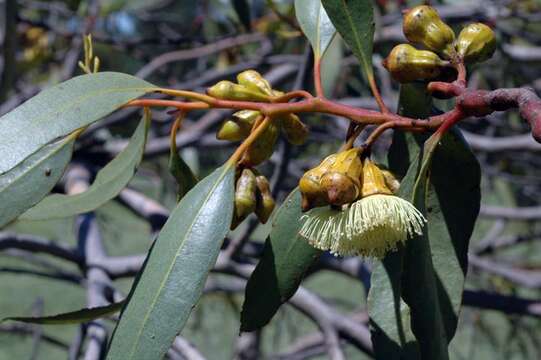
(407, 64)
(227, 90)
(313, 194)
(245, 194)
(294, 129)
(263, 147)
(253, 80)
(265, 202)
(423, 25)
(476, 43)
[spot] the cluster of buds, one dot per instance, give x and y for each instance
(251, 86)
(252, 195)
(422, 25)
(352, 209)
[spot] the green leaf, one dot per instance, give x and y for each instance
(72, 317)
(354, 20)
(449, 194)
(286, 259)
(109, 182)
(29, 182)
(182, 173)
(315, 24)
(428, 274)
(172, 281)
(60, 110)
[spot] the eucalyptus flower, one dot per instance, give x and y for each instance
(371, 226)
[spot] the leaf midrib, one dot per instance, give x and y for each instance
(154, 300)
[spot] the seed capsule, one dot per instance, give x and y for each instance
(263, 147)
(476, 43)
(253, 80)
(313, 194)
(245, 194)
(407, 64)
(423, 25)
(265, 203)
(294, 129)
(228, 90)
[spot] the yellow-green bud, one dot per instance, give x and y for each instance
(227, 90)
(253, 80)
(295, 130)
(265, 202)
(245, 194)
(341, 189)
(423, 25)
(231, 131)
(313, 194)
(263, 147)
(407, 64)
(392, 183)
(476, 43)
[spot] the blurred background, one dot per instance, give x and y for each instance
(192, 45)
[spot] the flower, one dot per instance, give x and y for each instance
(371, 226)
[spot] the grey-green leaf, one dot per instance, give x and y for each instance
(30, 181)
(354, 20)
(315, 24)
(108, 183)
(72, 317)
(286, 259)
(182, 173)
(178, 265)
(61, 109)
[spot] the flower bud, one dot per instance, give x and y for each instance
(341, 189)
(373, 180)
(226, 90)
(295, 130)
(231, 131)
(423, 25)
(476, 43)
(263, 147)
(407, 64)
(265, 203)
(313, 194)
(392, 183)
(253, 80)
(245, 194)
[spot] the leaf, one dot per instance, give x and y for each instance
(72, 317)
(182, 173)
(449, 194)
(108, 183)
(315, 24)
(61, 109)
(330, 73)
(354, 20)
(30, 181)
(286, 259)
(176, 269)
(429, 273)
(242, 8)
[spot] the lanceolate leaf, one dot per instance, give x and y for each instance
(109, 182)
(73, 317)
(176, 269)
(286, 259)
(315, 24)
(429, 273)
(354, 20)
(27, 183)
(438, 259)
(58, 111)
